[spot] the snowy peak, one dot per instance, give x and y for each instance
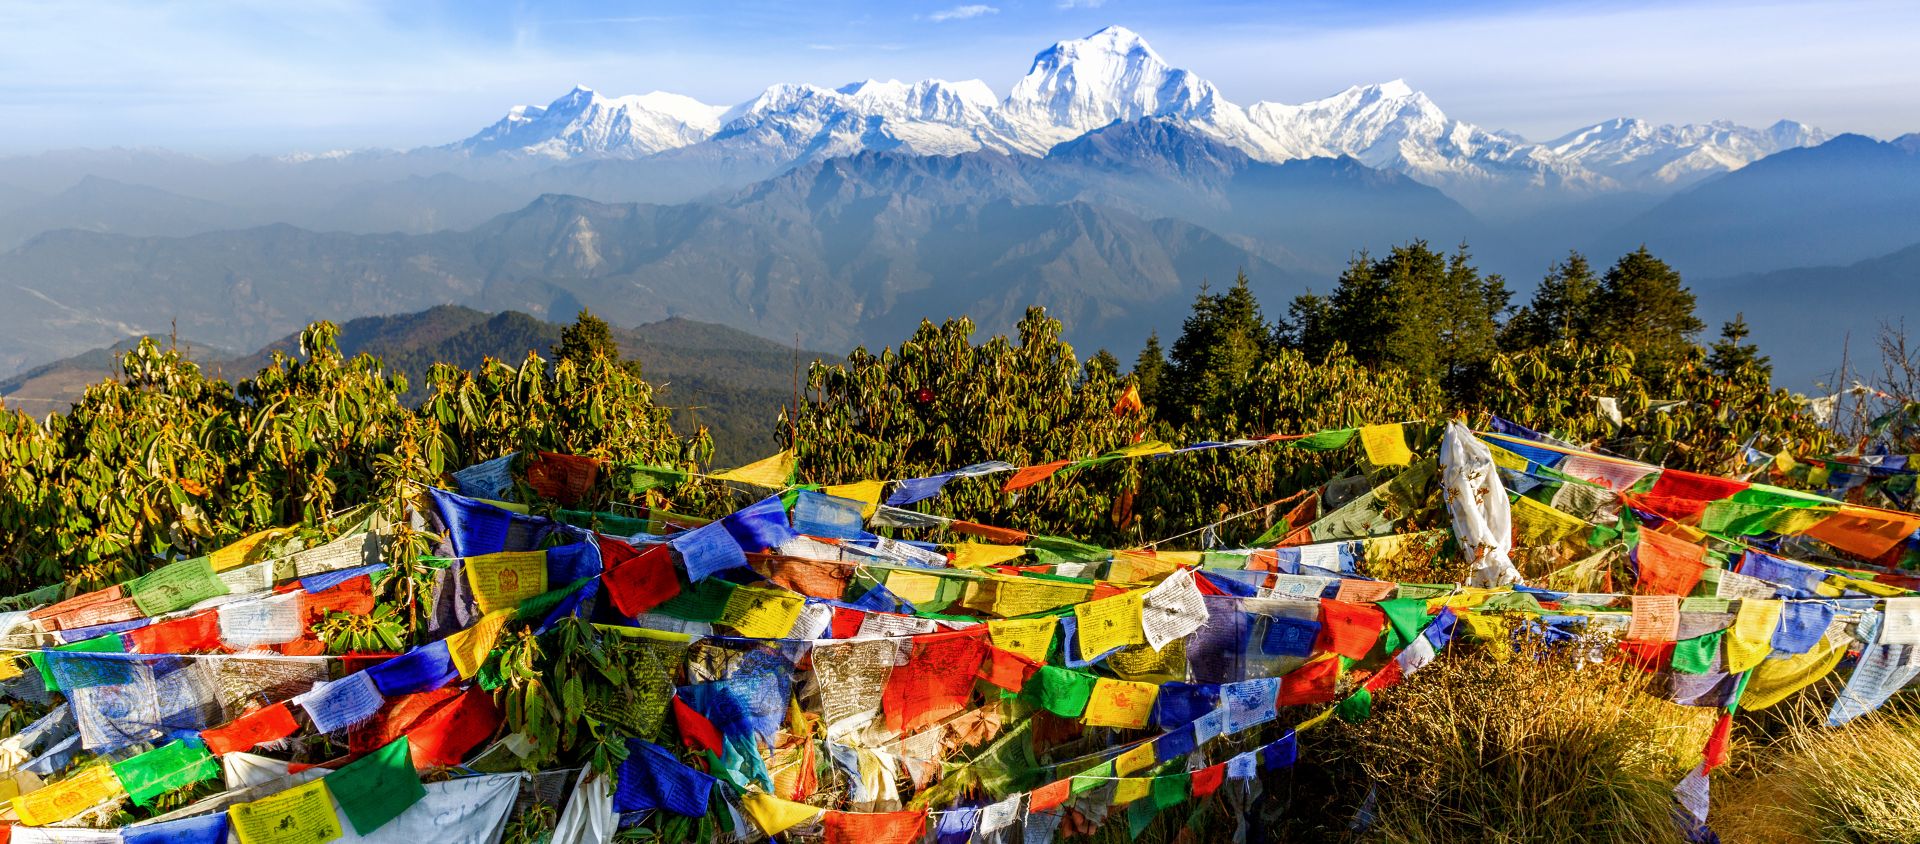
(1087, 83)
(582, 122)
(1113, 76)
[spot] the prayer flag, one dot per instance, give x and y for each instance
(773, 472)
(504, 580)
(1386, 445)
(158, 771)
(1120, 703)
(377, 787)
(707, 551)
(300, 815)
(251, 730)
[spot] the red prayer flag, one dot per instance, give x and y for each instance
(1050, 795)
(696, 731)
(1668, 565)
(846, 622)
(197, 632)
(1683, 510)
(875, 828)
(1678, 484)
(562, 477)
(1388, 675)
(353, 595)
(445, 735)
(1310, 684)
(1348, 629)
(637, 580)
(1207, 780)
(1007, 669)
(1033, 474)
(397, 718)
(1000, 535)
(1648, 656)
(935, 682)
(1716, 751)
(251, 730)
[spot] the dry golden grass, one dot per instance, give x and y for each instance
(1538, 748)
(1858, 784)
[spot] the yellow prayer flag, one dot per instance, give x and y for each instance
(1751, 637)
(774, 815)
(66, 798)
(1874, 587)
(300, 815)
(865, 492)
(502, 581)
(10, 668)
(1774, 680)
(235, 555)
(1783, 462)
(1026, 596)
(762, 613)
(1832, 586)
(1467, 598)
(1386, 445)
(1145, 448)
(974, 555)
(1140, 566)
(469, 647)
(1492, 630)
(1506, 459)
(1322, 718)
(1179, 558)
(1120, 703)
(1110, 623)
(1535, 523)
(1128, 789)
(773, 472)
(1028, 637)
(914, 587)
(1137, 759)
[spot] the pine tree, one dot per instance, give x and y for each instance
(1149, 369)
(1732, 357)
(589, 337)
(1222, 341)
(1646, 307)
(1565, 307)
(1430, 314)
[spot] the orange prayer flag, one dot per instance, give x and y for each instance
(1312, 683)
(1864, 532)
(251, 730)
(1050, 795)
(1668, 565)
(1033, 474)
(1129, 401)
(1348, 629)
(562, 477)
(935, 682)
(875, 828)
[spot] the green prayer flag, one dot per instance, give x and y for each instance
(612, 524)
(1092, 778)
(1276, 533)
(1061, 691)
(108, 644)
(643, 478)
(1326, 440)
(157, 772)
(1140, 814)
(1423, 591)
(176, 585)
(1406, 617)
(1170, 790)
(1356, 707)
(539, 605)
(1695, 655)
(702, 601)
(377, 787)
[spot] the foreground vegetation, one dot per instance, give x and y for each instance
(167, 463)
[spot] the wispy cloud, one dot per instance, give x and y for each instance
(825, 47)
(1081, 4)
(960, 13)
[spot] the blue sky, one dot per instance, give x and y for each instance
(269, 76)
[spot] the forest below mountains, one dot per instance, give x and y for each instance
(167, 460)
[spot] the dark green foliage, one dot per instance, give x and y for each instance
(1566, 306)
(1223, 340)
(1432, 315)
(1150, 369)
(588, 337)
(1732, 356)
(1647, 308)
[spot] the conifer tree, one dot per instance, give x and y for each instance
(1223, 340)
(1149, 369)
(1646, 307)
(1565, 307)
(589, 337)
(1732, 357)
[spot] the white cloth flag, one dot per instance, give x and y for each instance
(1900, 624)
(268, 621)
(1173, 609)
(464, 811)
(1482, 518)
(589, 817)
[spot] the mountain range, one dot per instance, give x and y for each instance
(1106, 185)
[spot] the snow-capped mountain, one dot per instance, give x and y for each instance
(583, 123)
(1080, 85)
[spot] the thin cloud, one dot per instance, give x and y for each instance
(1081, 4)
(960, 13)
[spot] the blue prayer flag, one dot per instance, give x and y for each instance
(707, 551)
